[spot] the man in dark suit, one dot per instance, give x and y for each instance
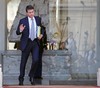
(43, 45)
(29, 42)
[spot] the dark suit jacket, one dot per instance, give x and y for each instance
(25, 33)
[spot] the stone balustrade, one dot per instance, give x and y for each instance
(55, 65)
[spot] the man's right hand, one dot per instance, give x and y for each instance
(22, 27)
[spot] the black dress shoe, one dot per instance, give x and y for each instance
(21, 81)
(38, 78)
(32, 80)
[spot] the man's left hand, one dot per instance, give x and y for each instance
(40, 36)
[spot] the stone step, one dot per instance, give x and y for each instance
(14, 81)
(54, 86)
(73, 82)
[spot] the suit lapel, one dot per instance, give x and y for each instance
(35, 20)
(36, 25)
(27, 24)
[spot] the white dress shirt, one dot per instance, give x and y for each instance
(30, 22)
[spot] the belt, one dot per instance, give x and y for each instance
(31, 40)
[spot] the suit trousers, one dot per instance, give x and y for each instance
(33, 48)
(38, 72)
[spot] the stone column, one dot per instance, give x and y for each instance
(3, 33)
(3, 27)
(98, 41)
(1, 77)
(98, 32)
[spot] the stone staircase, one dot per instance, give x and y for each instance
(56, 84)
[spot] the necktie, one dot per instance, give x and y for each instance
(32, 34)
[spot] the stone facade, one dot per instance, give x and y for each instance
(82, 39)
(80, 34)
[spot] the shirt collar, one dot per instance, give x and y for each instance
(31, 18)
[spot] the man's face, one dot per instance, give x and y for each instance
(30, 13)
